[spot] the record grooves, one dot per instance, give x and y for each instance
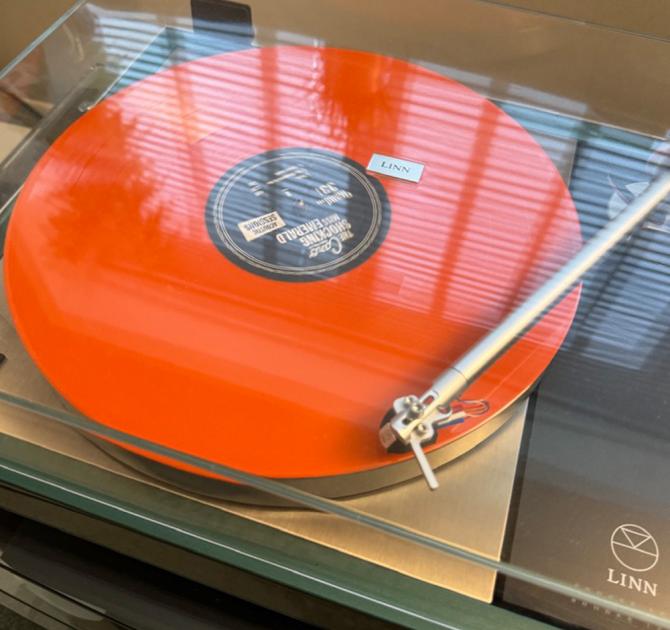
(206, 261)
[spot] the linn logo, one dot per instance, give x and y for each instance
(635, 549)
(395, 167)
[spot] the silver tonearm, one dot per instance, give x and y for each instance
(417, 418)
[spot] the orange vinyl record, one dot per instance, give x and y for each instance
(249, 256)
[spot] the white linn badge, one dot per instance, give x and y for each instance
(395, 167)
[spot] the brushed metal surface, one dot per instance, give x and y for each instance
(469, 510)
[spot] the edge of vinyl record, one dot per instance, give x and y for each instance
(334, 487)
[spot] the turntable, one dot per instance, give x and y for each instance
(256, 276)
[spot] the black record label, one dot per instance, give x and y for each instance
(298, 214)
